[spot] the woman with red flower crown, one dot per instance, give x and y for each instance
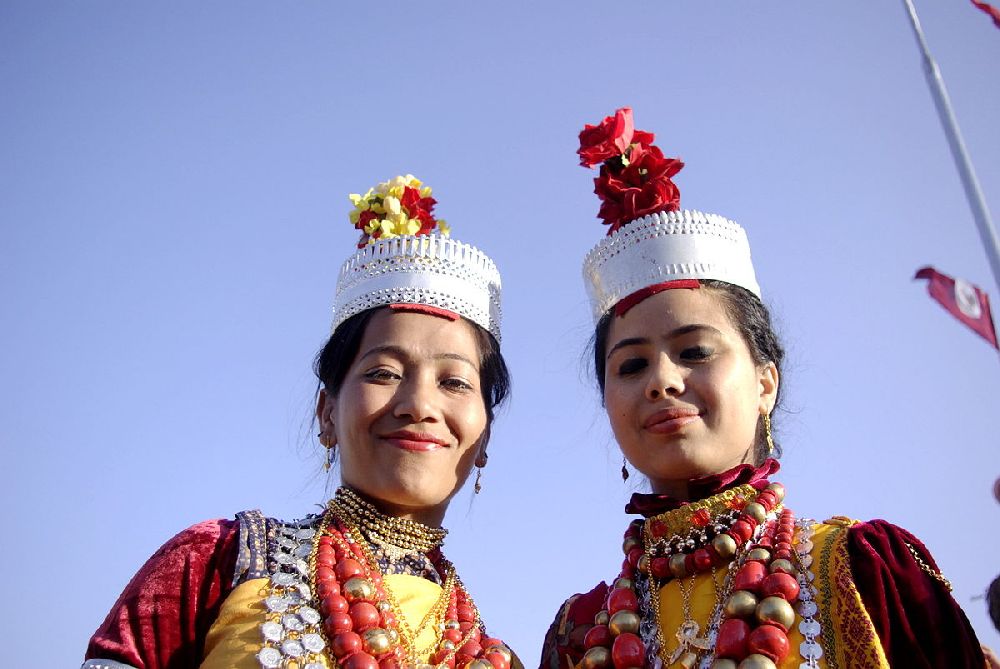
(409, 381)
(718, 571)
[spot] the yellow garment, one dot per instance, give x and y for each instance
(848, 638)
(235, 638)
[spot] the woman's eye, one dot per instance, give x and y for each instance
(631, 366)
(382, 374)
(457, 383)
(696, 353)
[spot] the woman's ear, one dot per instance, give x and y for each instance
(482, 456)
(768, 383)
(326, 407)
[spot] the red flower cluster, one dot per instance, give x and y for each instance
(635, 177)
(420, 208)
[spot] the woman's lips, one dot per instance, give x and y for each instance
(670, 420)
(414, 441)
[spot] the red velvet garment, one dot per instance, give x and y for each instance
(161, 619)
(648, 505)
(917, 621)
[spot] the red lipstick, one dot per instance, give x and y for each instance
(408, 440)
(670, 420)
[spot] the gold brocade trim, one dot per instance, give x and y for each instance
(849, 638)
(679, 521)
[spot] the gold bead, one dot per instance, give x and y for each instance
(757, 661)
(601, 618)
(756, 511)
(688, 660)
(596, 658)
(724, 545)
(760, 554)
(377, 641)
(624, 621)
(447, 644)
(625, 583)
(452, 625)
(740, 604)
(677, 567)
(786, 566)
(724, 663)
(778, 490)
(358, 589)
(643, 564)
(774, 609)
(479, 664)
(384, 606)
(630, 543)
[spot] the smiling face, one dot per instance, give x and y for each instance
(409, 415)
(682, 391)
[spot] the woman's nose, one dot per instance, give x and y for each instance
(415, 400)
(665, 380)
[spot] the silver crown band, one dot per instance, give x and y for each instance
(428, 270)
(666, 246)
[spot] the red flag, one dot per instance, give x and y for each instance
(964, 301)
(989, 9)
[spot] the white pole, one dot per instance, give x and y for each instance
(981, 214)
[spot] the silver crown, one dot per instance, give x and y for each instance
(666, 246)
(428, 269)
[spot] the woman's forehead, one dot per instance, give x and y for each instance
(673, 309)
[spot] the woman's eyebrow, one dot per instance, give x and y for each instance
(403, 354)
(673, 334)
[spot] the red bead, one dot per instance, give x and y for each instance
(471, 648)
(633, 557)
(326, 574)
(325, 554)
(627, 651)
(622, 599)
(453, 635)
(783, 536)
(359, 661)
(336, 623)
(598, 635)
(345, 643)
(749, 577)
(389, 662)
(388, 619)
(465, 612)
(701, 518)
(660, 567)
(782, 554)
(732, 640)
(741, 531)
(770, 641)
(348, 568)
(498, 660)
(702, 559)
(326, 588)
(766, 542)
(491, 641)
(334, 604)
(657, 528)
(364, 615)
(780, 584)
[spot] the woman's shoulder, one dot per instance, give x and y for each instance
(571, 624)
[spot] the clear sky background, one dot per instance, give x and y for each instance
(173, 213)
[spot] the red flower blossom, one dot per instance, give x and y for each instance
(365, 218)
(606, 140)
(635, 179)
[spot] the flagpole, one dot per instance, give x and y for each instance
(980, 212)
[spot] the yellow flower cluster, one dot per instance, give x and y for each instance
(387, 217)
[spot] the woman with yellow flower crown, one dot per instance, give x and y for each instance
(719, 572)
(409, 381)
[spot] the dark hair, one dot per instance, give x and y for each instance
(335, 358)
(752, 320)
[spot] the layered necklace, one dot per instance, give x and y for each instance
(361, 618)
(743, 531)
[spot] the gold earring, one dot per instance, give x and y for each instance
(767, 434)
(624, 469)
(479, 478)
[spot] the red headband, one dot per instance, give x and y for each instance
(425, 309)
(638, 296)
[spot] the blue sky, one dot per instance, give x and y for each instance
(173, 212)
